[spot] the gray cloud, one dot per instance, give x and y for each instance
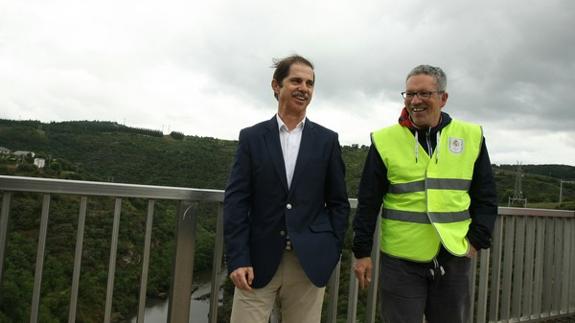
(204, 68)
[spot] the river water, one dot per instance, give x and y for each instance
(199, 306)
(159, 313)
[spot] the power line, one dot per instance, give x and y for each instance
(518, 190)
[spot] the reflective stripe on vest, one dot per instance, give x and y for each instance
(422, 217)
(432, 183)
(427, 201)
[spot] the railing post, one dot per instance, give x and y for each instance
(372, 293)
(481, 310)
(518, 268)
(567, 252)
(572, 271)
(77, 260)
(182, 274)
(217, 265)
(507, 268)
(145, 261)
(40, 259)
(539, 264)
(528, 281)
(472, 279)
(4, 215)
(547, 299)
(558, 267)
(333, 288)
(495, 284)
(112, 262)
(352, 296)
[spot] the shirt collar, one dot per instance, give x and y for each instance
(282, 126)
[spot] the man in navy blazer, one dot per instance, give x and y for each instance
(285, 207)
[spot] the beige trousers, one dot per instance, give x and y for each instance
(299, 299)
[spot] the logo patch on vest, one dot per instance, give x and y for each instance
(456, 145)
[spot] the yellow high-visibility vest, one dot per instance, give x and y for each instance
(427, 202)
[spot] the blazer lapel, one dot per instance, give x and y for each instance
(305, 151)
(272, 139)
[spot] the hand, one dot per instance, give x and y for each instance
(243, 277)
(472, 252)
(362, 269)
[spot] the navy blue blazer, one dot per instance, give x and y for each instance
(259, 209)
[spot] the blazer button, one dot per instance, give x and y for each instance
(288, 206)
(282, 233)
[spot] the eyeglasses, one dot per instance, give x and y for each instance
(421, 95)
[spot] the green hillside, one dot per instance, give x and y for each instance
(540, 185)
(107, 151)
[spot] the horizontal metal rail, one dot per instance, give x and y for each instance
(85, 188)
(536, 212)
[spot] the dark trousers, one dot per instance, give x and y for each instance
(410, 290)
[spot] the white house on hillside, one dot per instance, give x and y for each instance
(23, 153)
(39, 162)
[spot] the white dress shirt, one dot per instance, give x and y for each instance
(290, 142)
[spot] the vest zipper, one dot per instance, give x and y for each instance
(428, 142)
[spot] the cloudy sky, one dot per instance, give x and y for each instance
(203, 67)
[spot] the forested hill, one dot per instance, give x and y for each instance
(108, 151)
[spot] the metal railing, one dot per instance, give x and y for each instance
(528, 275)
(182, 273)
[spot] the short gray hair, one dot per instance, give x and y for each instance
(433, 71)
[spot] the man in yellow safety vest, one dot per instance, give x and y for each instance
(432, 178)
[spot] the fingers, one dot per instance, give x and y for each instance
(367, 277)
(361, 279)
(362, 270)
(472, 252)
(243, 277)
(250, 276)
